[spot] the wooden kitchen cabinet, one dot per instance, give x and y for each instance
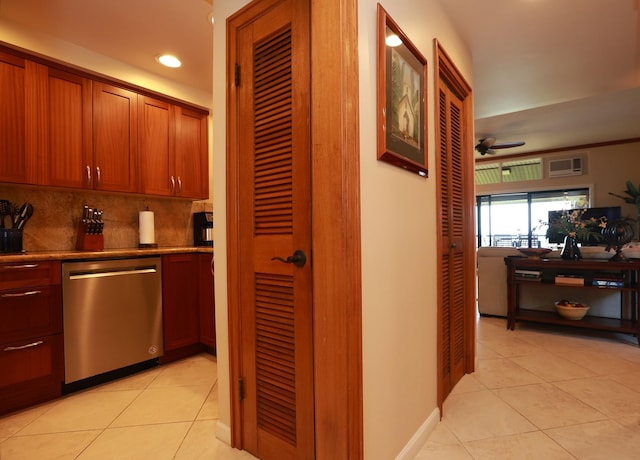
(115, 139)
(187, 305)
(66, 148)
(17, 120)
(157, 147)
(31, 339)
(181, 315)
(206, 302)
(63, 127)
(89, 133)
(191, 164)
(173, 149)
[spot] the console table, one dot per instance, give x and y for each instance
(587, 272)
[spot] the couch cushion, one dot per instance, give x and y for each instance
(491, 251)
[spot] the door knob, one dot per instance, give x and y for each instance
(299, 258)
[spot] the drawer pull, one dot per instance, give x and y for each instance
(19, 267)
(22, 294)
(29, 345)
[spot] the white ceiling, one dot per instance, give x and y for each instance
(134, 31)
(553, 73)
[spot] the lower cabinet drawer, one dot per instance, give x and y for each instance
(30, 312)
(32, 371)
(24, 275)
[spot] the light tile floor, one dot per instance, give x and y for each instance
(168, 412)
(538, 393)
(542, 392)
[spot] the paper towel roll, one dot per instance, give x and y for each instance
(147, 231)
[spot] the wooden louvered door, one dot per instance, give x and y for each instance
(270, 153)
(455, 204)
(451, 257)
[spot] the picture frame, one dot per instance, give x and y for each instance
(401, 99)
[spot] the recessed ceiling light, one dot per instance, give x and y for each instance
(169, 60)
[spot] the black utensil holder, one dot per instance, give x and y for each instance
(10, 240)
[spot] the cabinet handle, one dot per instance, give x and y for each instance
(88, 176)
(99, 178)
(20, 267)
(179, 185)
(21, 294)
(173, 185)
(29, 345)
(212, 266)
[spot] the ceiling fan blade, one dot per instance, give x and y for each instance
(507, 145)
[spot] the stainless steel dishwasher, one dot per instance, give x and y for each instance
(112, 315)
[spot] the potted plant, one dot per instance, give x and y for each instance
(631, 196)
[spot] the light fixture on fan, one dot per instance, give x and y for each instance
(488, 144)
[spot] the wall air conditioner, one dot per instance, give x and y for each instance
(565, 167)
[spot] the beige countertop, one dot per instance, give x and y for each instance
(105, 254)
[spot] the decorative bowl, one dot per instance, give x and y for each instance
(571, 310)
(534, 252)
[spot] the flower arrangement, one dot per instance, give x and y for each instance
(571, 223)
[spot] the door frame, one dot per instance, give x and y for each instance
(336, 235)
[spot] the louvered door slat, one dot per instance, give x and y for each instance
(273, 167)
(275, 355)
(444, 227)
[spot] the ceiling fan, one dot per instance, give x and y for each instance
(488, 144)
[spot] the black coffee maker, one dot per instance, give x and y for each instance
(203, 229)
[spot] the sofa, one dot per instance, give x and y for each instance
(492, 279)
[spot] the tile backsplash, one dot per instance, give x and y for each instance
(56, 215)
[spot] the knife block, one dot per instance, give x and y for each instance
(88, 242)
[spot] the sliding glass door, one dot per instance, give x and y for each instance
(520, 219)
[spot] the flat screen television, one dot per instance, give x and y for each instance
(611, 213)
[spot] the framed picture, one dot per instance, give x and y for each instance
(402, 84)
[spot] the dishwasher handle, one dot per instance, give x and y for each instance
(80, 275)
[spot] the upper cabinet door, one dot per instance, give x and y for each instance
(66, 154)
(115, 126)
(157, 145)
(17, 104)
(192, 174)
(173, 150)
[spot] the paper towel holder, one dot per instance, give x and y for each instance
(149, 245)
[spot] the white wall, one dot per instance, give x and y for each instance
(221, 11)
(399, 250)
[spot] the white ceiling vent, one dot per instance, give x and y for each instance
(565, 167)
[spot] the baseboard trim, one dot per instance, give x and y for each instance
(223, 432)
(410, 450)
(416, 442)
